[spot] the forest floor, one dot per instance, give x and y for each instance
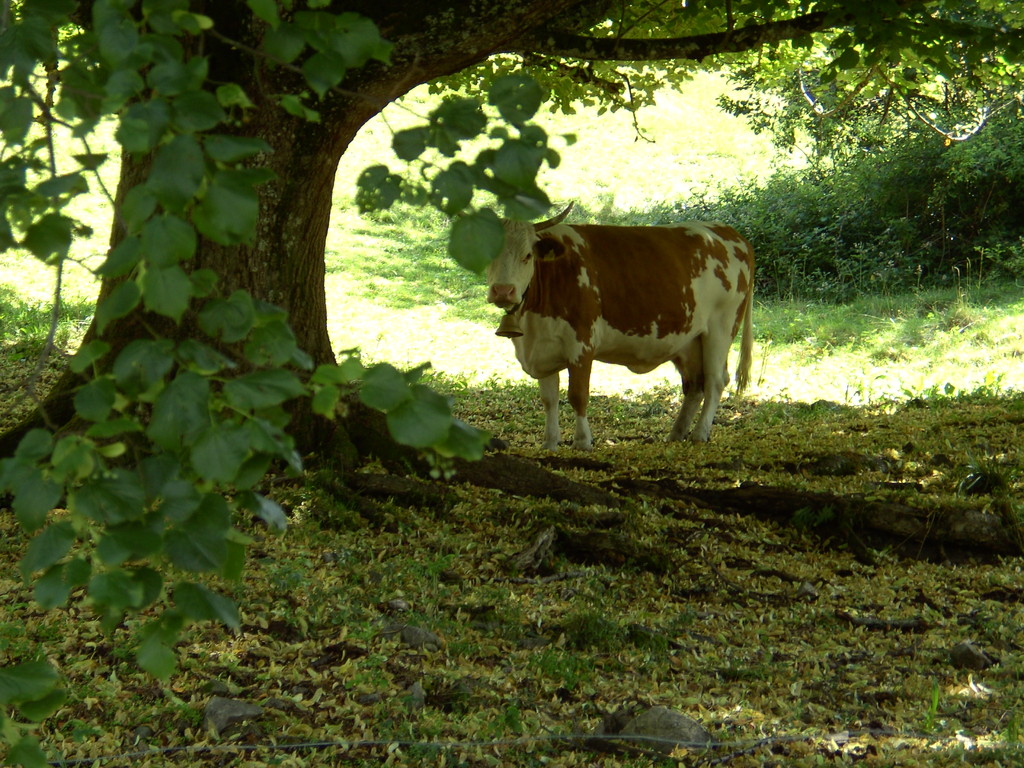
(382, 633)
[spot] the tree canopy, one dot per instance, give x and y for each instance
(208, 359)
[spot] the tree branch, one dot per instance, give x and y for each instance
(552, 42)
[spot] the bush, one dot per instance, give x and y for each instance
(917, 213)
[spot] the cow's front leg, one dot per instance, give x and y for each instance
(549, 399)
(579, 397)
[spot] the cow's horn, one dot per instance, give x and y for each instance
(556, 220)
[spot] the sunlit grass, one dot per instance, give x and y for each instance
(393, 293)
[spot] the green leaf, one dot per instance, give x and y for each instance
(253, 470)
(123, 258)
(74, 458)
(180, 412)
(142, 365)
(517, 98)
(143, 126)
(116, 34)
(63, 185)
(293, 105)
(198, 544)
(197, 111)
(384, 387)
(422, 420)
(272, 343)
(262, 389)
(410, 143)
(53, 587)
(178, 170)
(47, 547)
(169, 77)
(525, 203)
(349, 370)
(122, 299)
(233, 95)
(232, 149)
(228, 319)
(113, 498)
(104, 430)
(91, 161)
(130, 541)
(139, 204)
(29, 681)
(95, 399)
(229, 209)
(848, 59)
(122, 86)
(88, 354)
(268, 511)
(284, 43)
(323, 70)
(40, 709)
(34, 494)
(156, 658)
(203, 604)
(325, 400)
(358, 40)
(377, 189)
(27, 753)
(166, 291)
(517, 164)
(452, 189)
(266, 10)
(35, 445)
(476, 240)
(201, 358)
(218, 453)
(49, 238)
(168, 240)
(463, 441)
(455, 120)
(16, 120)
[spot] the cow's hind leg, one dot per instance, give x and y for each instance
(717, 341)
(549, 399)
(690, 365)
(579, 397)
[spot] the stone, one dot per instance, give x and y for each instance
(222, 713)
(967, 655)
(667, 729)
(415, 697)
(419, 638)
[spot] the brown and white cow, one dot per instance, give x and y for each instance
(633, 296)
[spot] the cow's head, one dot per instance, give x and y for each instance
(510, 274)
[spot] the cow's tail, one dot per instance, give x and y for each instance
(746, 342)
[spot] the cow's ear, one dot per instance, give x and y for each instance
(548, 248)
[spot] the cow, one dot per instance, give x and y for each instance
(632, 296)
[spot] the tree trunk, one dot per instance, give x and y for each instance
(284, 265)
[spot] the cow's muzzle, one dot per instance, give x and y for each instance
(503, 295)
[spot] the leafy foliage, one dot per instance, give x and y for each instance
(177, 429)
(913, 211)
(506, 168)
(176, 435)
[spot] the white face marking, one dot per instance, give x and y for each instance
(514, 266)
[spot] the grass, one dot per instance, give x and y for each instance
(923, 380)
(393, 293)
